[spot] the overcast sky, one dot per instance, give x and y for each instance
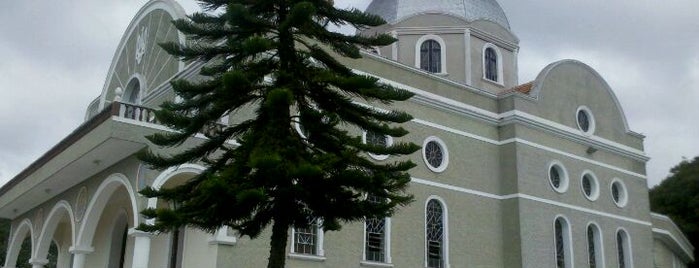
(54, 56)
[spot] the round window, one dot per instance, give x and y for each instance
(374, 138)
(585, 121)
(558, 177)
(590, 187)
(435, 154)
(619, 194)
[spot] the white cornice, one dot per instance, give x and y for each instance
(687, 251)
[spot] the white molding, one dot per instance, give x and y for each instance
(590, 117)
(442, 51)
(488, 37)
(526, 197)
(468, 68)
(394, 47)
(389, 142)
(688, 251)
(44, 241)
(668, 219)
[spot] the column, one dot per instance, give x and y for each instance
(79, 255)
(141, 248)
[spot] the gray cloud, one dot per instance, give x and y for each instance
(56, 55)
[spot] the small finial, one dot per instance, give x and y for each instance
(118, 93)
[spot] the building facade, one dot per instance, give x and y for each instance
(539, 174)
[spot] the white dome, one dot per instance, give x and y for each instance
(395, 10)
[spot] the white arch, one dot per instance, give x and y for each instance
(168, 174)
(46, 235)
(442, 50)
(16, 242)
(599, 240)
(98, 202)
(567, 239)
(626, 244)
(445, 231)
(171, 7)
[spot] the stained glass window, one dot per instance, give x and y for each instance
(555, 176)
(560, 245)
(435, 234)
(620, 241)
(434, 154)
(491, 64)
(615, 192)
(583, 121)
(591, 247)
(431, 56)
(587, 185)
(375, 236)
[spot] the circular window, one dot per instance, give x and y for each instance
(435, 154)
(558, 177)
(619, 194)
(586, 122)
(373, 138)
(590, 187)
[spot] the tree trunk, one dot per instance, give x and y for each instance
(277, 251)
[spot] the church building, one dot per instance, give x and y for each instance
(535, 174)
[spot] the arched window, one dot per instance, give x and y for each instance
(376, 235)
(594, 246)
(491, 64)
(562, 243)
(431, 56)
(623, 249)
(119, 236)
(435, 250)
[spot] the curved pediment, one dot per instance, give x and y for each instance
(139, 62)
(565, 88)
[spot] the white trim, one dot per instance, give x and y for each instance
(564, 180)
(667, 219)
(386, 249)
(688, 251)
(442, 51)
(15, 244)
(445, 228)
(567, 230)
(320, 252)
(591, 120)
(394, 47)
(128, 90)
(166, 175)
(445, 154)
(515, 116)
(468, 68)
(526, 197)
(498, 62)
(595, 187)
(623, 193)
(628, 251)
(599, 244)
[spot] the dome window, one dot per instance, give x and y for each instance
(585, 120)
(492, 64)
(431, 54)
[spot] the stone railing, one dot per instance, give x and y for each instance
(135, 112)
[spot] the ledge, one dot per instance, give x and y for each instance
(306, 257)
(375, 264)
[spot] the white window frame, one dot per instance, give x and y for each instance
(623, 193)
(499, 67)
(389, 142)
(141, 89)
(565, 180)
(590, 117)
(445, 154)
(387, 246)
(320, 252)
(567, 240)
(442, 50)
(445, 230)
(599, 244)
(595, 185)
(628, 252)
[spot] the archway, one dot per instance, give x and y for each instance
(23, 231)
(58, 231)
(110, 212)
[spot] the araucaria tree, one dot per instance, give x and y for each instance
(278, 59)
